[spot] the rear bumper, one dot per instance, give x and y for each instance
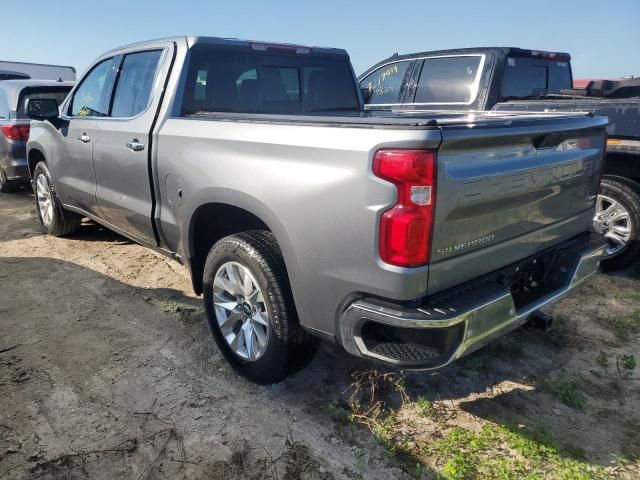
(437, 331)
(14, 163)
(17, 172)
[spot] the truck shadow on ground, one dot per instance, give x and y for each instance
(30, 226)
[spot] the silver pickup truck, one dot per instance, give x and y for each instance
(411, 239)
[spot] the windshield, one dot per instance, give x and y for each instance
(530, 77)
(248, 82)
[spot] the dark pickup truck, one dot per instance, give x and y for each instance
(514, 79)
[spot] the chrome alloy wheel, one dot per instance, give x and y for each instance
(616, 223)
(45, 200)
(241, 311)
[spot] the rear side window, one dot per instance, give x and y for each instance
(257, 82)
(529, 77)
(449, 80)
(58, 93)
(91, 98)
(386, 84)
(135, 83)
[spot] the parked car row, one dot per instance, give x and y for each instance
(513, 79)
(407, 236)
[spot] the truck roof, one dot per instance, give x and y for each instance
(195, 39)
(505, 51)
(43, 71)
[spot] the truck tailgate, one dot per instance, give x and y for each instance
(505, 192)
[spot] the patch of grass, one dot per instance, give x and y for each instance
(602, 360)
(338, 413)
(427, 409)
(625, 365)
(482, 454)
(383, 430)
(568, 391)
(499, 452)
(624, 326)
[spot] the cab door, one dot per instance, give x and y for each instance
(73, 167)
(121, 154)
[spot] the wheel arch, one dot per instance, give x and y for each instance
(35, 156)
(623, 165)
(211, 221)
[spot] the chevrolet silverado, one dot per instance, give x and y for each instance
(411, 239)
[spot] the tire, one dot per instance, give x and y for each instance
(55, 220)
(626, 193)
(7, 186)
(288, 347)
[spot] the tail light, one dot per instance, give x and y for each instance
(16, 132)
(405, 229)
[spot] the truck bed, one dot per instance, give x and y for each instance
(624, 114)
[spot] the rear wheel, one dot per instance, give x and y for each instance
(618, 210)
(54, 219)
(250, 308)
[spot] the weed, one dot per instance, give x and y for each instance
(623, 325)
(338, 413)
(602, 360)
(469, 454)
(367, 403)
(625, 365)
(459, 466)
(426, 407)
(383, 429)
(361, 458)
(568, 391)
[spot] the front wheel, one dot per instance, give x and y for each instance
(618, 211)
(54, 219)
(250, 308)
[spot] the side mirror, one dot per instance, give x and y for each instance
(42, 108)
(366, 95)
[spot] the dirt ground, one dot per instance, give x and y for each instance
(108, 370)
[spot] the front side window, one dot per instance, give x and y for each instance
(257, 82)
(386, 84)
(91, 98)
(135, 83)
(448, 80)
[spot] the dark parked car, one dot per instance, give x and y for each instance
(14, 126)
(514, 79)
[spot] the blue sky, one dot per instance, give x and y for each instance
(603, 37)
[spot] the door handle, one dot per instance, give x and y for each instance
(84, 138)
(135, 146)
